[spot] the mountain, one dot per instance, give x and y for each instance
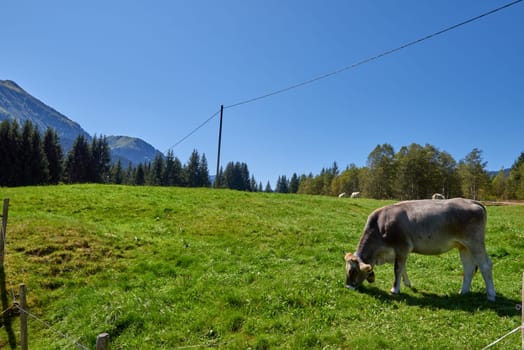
(131, 149)
(17, 104)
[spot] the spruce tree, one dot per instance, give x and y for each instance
(157, 171)
(193, 170)
(9, 153)
(54, 155)
(294, 183)
(100, 160)
(25, 155)
(38, 162)
(78, 161)
(203, 172)
(168, 177)
(117, 174)
(140, 177)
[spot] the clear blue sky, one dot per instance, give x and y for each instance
(158, 69)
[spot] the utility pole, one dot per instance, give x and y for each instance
(217, 176)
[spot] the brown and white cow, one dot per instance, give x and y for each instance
(426, 227)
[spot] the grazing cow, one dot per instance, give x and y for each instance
(438, 196)
(426, 227)
(355, 195)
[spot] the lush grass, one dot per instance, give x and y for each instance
(161, 268)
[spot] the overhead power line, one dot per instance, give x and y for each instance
(196, 129)
(349, 67)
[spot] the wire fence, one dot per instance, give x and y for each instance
(53, 329)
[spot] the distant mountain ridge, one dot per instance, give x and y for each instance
(17, 104)
(131, 149)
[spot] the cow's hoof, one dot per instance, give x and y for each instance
(394, 291)
(492, 298)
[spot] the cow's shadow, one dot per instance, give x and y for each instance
(469, 302)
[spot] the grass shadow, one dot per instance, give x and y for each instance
(471, 302)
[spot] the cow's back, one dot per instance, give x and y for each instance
(428, 226)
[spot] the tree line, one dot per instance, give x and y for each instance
(414, 172)
(27, 158)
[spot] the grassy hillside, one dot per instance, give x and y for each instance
(162, 268)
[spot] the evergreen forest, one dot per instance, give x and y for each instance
(414, 172)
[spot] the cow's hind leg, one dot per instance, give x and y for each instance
(483, 261)
(468, 264)
(405, 278)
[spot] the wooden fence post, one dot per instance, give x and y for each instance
(3, 289)
(3, 230)
(102, 341)
(23, 318)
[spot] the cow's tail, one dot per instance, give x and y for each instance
(484, 211)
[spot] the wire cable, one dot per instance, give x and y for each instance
(195, 129)
(49, 326)
(369, 59)
(349, 67)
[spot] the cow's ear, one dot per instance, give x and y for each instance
(365, 267)
(348, 257)
(371, 277)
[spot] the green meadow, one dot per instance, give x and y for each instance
(168, 268)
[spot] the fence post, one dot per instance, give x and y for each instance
(3, 289)
(23, 318)
(3, 230)
(102, 341)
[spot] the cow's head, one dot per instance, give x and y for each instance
(357, 271)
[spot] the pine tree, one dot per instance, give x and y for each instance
(193, 170)
(253, 184)
(140, 178)
(282, 185)
(168, 178)
(38, 162)
(117, 175)
(10, 167)
(100, 160)
(203, 172)
(157, 171)
(25, 155)
(79, 161)
(294, 183)
(54, 155)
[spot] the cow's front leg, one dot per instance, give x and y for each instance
(400, 266)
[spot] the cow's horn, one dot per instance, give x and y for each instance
(365, 267)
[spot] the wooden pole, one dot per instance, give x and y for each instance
(3, 230)
(23, 318)
(217, 176)
(3, 289)
(102, 341)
